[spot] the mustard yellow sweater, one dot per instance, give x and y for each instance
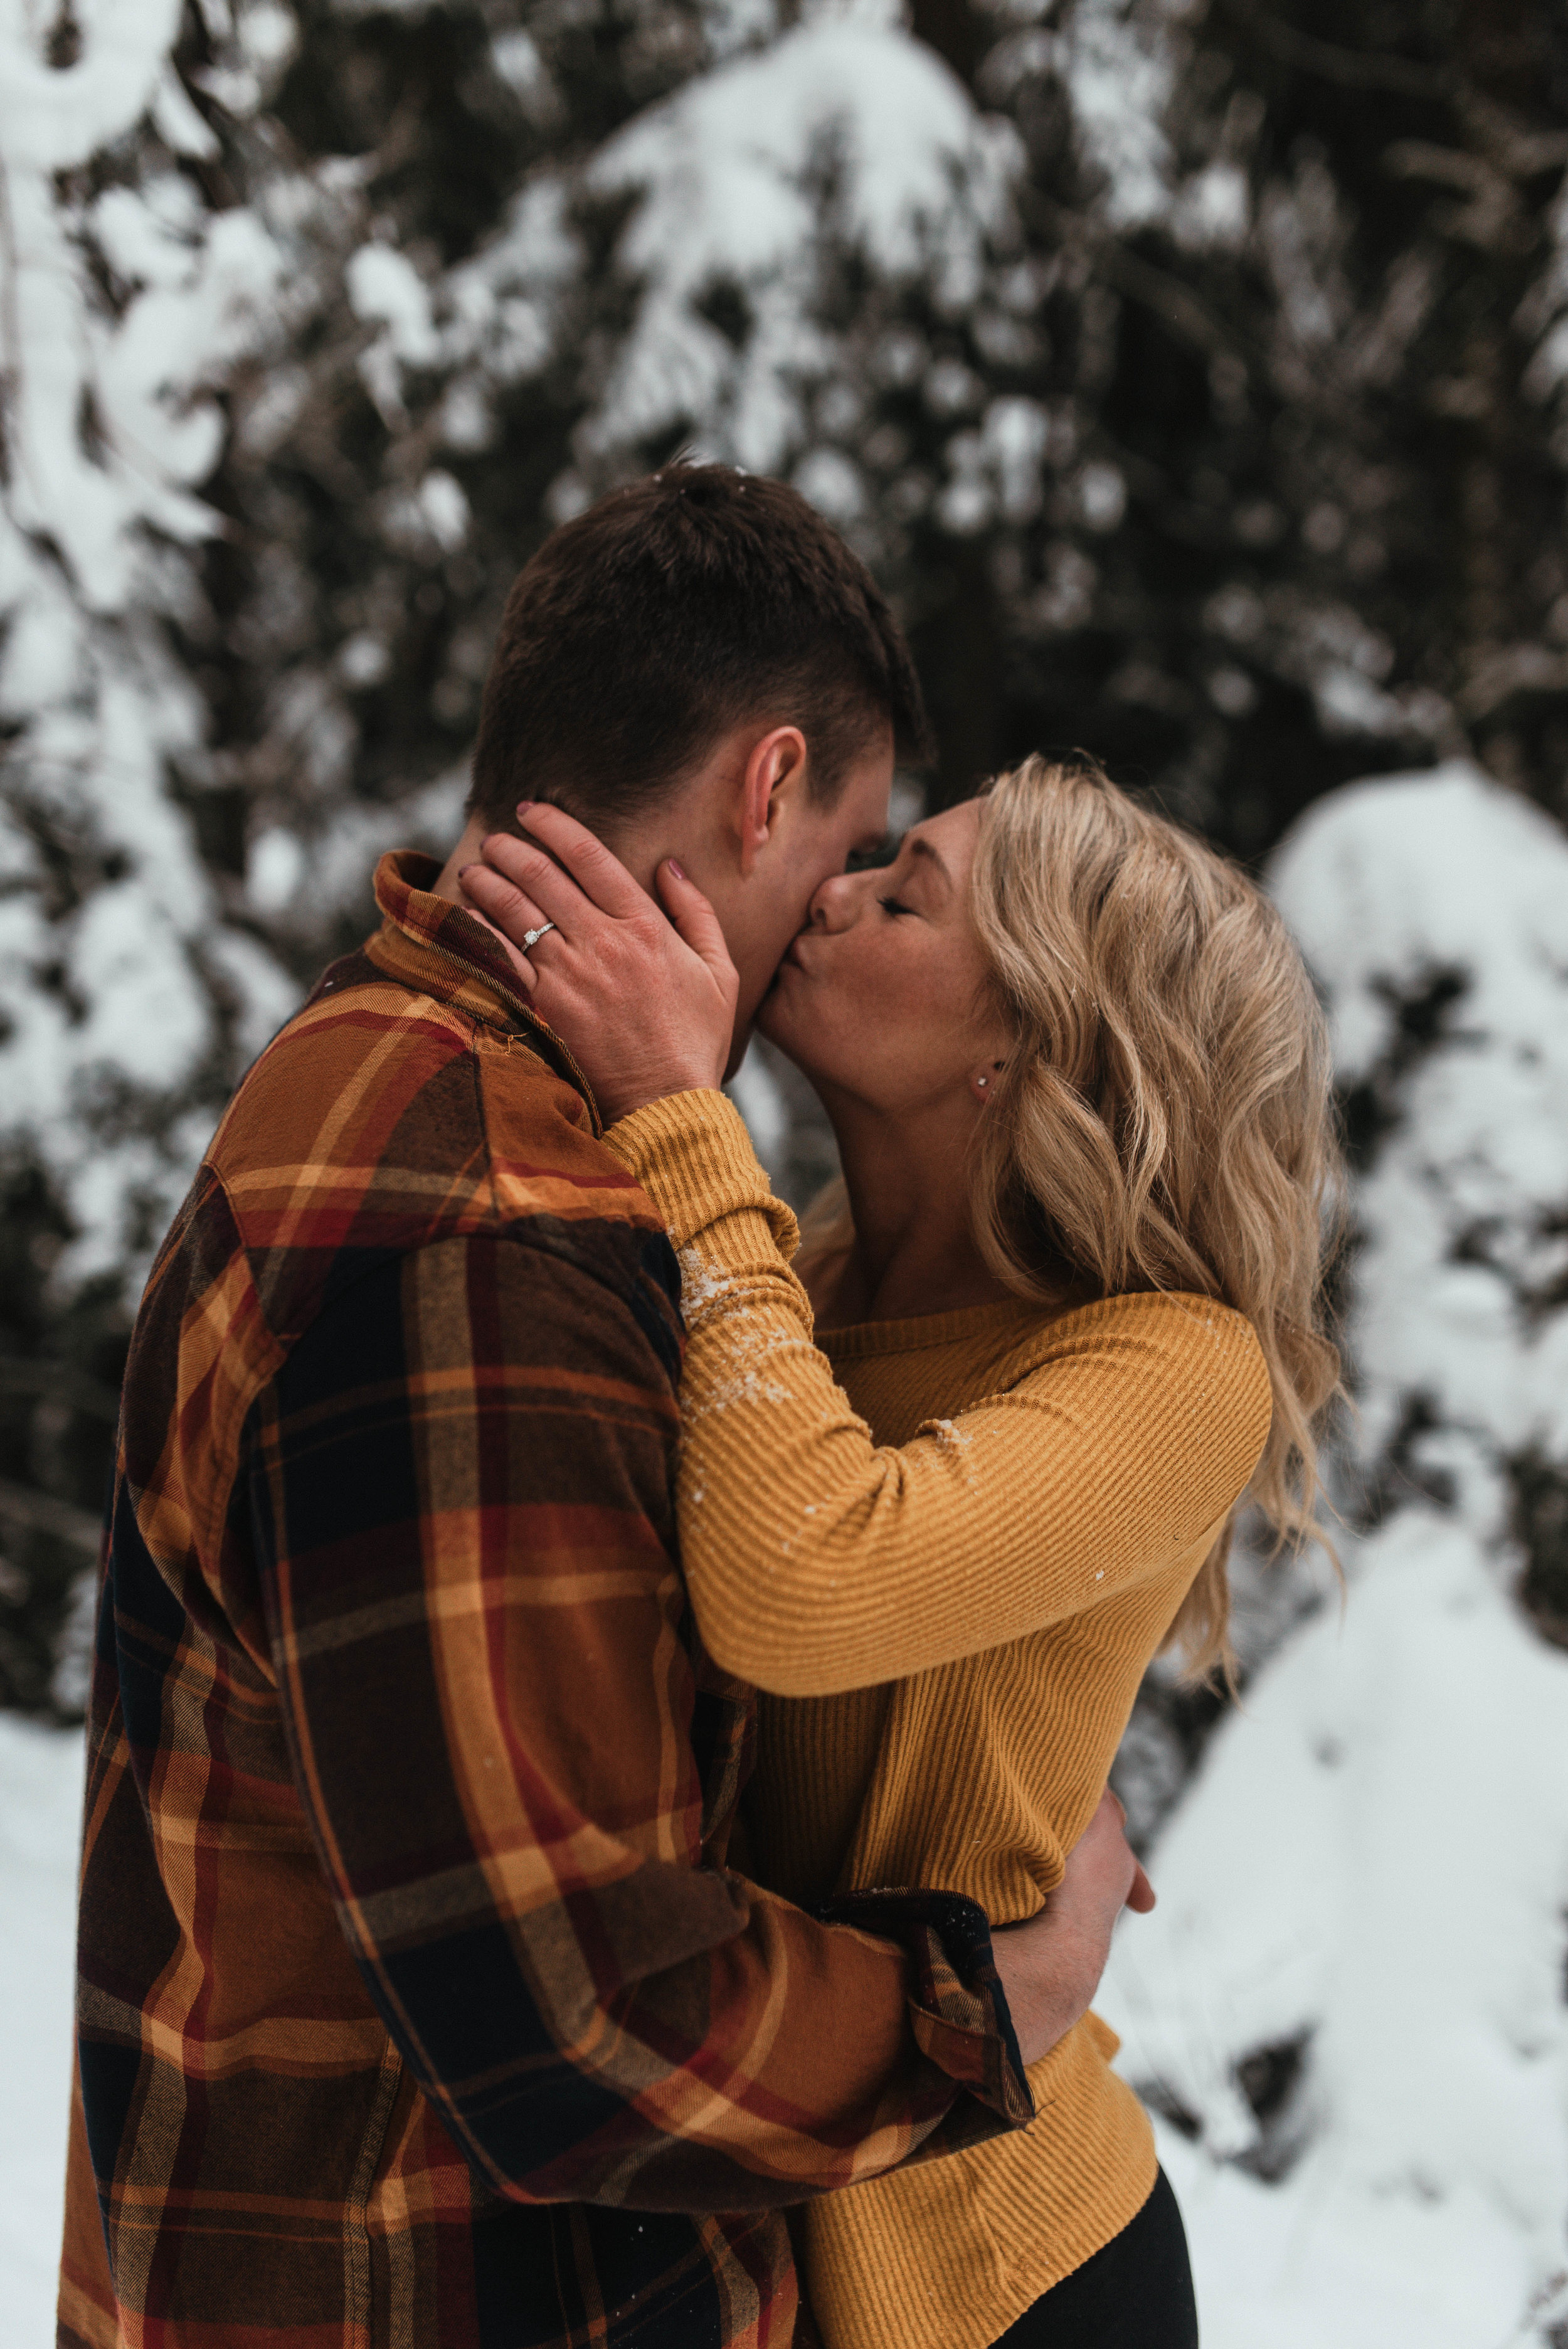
(948, 1548)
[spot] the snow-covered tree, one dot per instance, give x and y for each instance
(1348, 2005)
(129, 1004)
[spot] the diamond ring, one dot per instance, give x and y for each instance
(531, 938)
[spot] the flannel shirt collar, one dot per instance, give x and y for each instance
(428, 943)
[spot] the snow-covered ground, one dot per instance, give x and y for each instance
(40, 1821)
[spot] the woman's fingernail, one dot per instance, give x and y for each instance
(678, 870)
(524, 807)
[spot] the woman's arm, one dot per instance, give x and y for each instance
(818, 1560)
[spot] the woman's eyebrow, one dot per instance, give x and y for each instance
(918, 846)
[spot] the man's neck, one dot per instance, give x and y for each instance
(466, 852)
(641, 857)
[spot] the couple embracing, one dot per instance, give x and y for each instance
(596, 1824)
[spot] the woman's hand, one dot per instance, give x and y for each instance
(644, 1004)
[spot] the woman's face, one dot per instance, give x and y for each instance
(882, 998)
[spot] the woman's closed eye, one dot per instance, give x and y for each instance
(894, 905)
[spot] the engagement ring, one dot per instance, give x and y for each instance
(531, 938)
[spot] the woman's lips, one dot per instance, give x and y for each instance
(788, 961)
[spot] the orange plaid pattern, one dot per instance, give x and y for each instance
(416, 2004)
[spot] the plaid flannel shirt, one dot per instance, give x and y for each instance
(416, 2003)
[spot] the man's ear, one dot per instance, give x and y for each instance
(775, 770)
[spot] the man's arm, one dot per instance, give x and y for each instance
(460, 1483)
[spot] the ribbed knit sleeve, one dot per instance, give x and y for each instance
(818, 1560)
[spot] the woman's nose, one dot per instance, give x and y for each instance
(833, 906)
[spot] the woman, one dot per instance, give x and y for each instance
(1072, 1315)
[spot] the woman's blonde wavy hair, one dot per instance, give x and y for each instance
(1166, 1121)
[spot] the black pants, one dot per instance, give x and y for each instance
(1136, 2294)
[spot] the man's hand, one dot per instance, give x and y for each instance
(1050, 1968)
(643, 999)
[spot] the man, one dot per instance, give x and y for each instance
(416, 2004)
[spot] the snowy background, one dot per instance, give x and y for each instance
(1194, 373)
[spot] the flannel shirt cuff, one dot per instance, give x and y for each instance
(693, 1157)
(958, 2009)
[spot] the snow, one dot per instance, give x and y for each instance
(1390, 886)
(385, 289)
(40, 1829)
(838, 151)
(142, 371)
(1374, 1857)
(727, 179)
(1381, 2277)
(1120, 61)
(294, 887)
(1214, 208)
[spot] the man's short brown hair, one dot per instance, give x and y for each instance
(673, 610)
